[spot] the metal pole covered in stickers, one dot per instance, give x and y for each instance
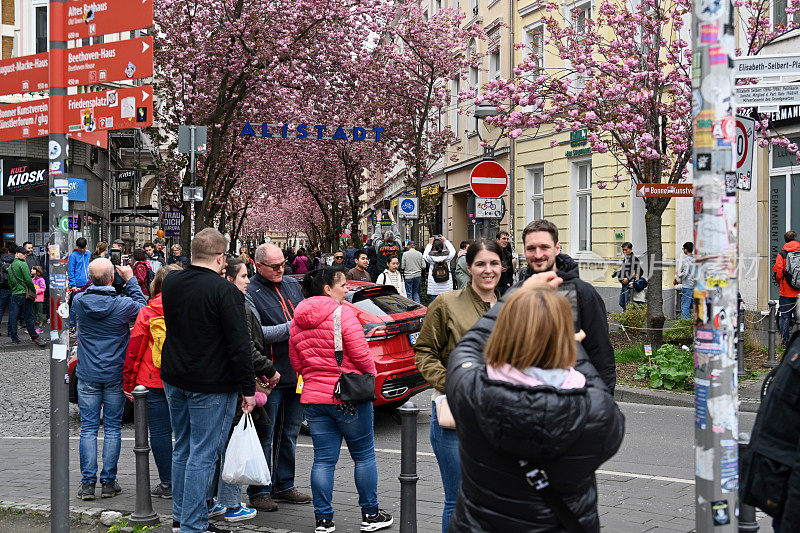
(57, 253)
(716, 257)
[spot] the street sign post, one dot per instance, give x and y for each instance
(488, 180)
(409, 208)
(25, 74)
(766, 65)
(24, 120)
(102, 63)
(489, 208)
(80, 19)
(185, 139)
(766, 95)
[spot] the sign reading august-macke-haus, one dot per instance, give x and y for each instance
(306, 131)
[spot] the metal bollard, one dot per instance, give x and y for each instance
(772, 334)
(144, 514)
(408, 467)
(740, 338)
(747, 513)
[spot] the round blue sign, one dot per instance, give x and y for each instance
(407, 206)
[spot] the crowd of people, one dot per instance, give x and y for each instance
(23, 288)
(220, 336)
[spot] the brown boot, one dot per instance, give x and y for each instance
(291, 496)
(263, 502)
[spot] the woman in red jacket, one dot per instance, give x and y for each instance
(311, 350)
(139, 369)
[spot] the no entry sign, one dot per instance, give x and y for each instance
(488, 180)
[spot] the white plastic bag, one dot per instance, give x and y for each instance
(244, 459)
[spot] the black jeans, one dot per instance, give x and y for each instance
(21, 307)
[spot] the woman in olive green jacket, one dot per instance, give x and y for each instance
(449, 317)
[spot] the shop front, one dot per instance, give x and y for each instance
(23, 201)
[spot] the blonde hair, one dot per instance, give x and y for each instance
(534, 328)
(158, 279)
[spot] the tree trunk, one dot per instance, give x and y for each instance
(655, 297)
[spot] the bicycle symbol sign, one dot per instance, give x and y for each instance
(407, 206)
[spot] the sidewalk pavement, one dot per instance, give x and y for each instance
(749, 396)
(628, 503)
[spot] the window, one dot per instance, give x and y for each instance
(534, 177)
(779, 15)
(494, 63)
(582, 181)
(580, 14)
(535, 42)
(41, 29)
(437, 6)
(455, 118)
(473, 5)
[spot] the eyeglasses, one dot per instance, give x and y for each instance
(338, 257)
(276, 267)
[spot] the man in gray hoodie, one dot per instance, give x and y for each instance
(412, 264)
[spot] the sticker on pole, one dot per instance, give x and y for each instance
(488, 180)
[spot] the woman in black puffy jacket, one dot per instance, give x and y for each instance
(534, 397)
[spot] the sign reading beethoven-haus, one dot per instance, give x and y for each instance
(306, 131)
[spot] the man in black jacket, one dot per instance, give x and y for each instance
(205, 362)
(543, 254)
(274, 297)
(770, 478)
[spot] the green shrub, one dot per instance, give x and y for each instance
(670, 368)
(634, 316)
(632, 354)
(681, 331)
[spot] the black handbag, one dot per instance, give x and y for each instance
(351, 386)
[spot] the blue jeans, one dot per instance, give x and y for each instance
(686, 302)
(21, 306)
(279, 439)
(92, 397)
(787, 308)
(328, 424)
(625, 295)
(160, 433)
(412, 288)
(5, 298)
(445, 446)
(201, 423)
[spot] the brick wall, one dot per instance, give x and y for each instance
(8, 47)
(8, 12)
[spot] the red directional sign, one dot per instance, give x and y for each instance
(101, 63)
(488, 180)
(24, 74)
(89, 18)
(131, 107)
(24, 120)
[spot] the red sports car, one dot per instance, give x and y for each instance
(391, 324)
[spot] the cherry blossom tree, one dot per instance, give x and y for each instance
(411, 66)
(626, 79)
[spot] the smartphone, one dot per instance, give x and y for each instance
(571, 293)
(115, 256)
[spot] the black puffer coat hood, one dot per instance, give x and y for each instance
(569, 433)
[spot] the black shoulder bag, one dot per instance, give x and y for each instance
(352, 387)
(537, 478)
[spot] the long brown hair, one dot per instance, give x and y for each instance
(534, 329)
(158, 280)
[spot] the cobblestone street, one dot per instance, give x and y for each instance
(647, 486)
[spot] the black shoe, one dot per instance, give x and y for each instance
(86, 491)
(176, 526)
(110, 489)
(162, 491)
(214, 529)
(325, 525)
(16, 341)
(379, 520)
(39, 342)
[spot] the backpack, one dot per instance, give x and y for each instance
(4, 278)
(441, 271)
(791, 269)
(350, 260)
(158, 333)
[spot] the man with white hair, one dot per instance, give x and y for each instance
(274, 297)
(103, 320)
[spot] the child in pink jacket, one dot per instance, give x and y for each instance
(311, 351)
(38, 279)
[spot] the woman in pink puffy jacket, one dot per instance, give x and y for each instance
(311, 350)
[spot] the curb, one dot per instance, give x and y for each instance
(84, 515)
(626, 394)
(24, 346)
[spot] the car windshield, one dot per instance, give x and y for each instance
(383, 302)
